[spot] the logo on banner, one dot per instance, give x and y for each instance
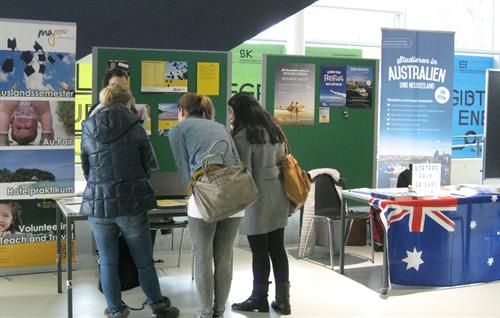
(246, 54)
(51, 35)
(442, 95)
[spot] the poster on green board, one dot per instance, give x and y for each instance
(333, 52)
(294, 87)
(247, 66)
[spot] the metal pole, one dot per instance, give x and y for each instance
(58, 240)
(69, 260)
(478, 144)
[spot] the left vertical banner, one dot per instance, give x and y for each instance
(37, 131)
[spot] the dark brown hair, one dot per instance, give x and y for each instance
(251, 115)
(14, 226)
(116, 72)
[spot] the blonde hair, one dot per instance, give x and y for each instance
(115, 94)
(198, 105)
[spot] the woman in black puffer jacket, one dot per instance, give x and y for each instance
(116, 160)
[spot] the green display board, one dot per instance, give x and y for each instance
(347, 142)
(134, 57)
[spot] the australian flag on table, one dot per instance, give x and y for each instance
(444, 241)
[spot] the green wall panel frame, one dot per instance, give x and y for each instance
(135, 56)
(346, 144)
(333, 52)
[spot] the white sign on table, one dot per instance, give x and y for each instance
(426, 177)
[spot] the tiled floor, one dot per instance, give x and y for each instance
(316, 291)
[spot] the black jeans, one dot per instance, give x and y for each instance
(268, 245)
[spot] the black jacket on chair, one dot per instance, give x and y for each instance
(326, 198)
(116, 160)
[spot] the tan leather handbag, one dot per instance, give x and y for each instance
(226, 191)
(297, 182)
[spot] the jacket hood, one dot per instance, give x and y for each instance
(111, 122)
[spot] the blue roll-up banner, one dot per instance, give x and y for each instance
(469, 97)
(416, 102)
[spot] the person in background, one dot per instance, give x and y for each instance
(190, 141)
(112, 76)
(117, 158)
(8, 219)
(260, 143)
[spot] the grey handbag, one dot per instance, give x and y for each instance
(226, 191)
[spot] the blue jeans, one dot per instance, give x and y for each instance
(135, 229)
(213, 262)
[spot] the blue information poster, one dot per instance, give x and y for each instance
(333, 86)
(469, 97)
(416, 102)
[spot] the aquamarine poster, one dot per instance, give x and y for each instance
(416, 102)
(469, 97)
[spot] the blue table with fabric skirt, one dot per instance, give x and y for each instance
(438, 241)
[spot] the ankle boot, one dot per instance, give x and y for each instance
(282, 303)
(257, 301)
(123, 314)
(164, 309)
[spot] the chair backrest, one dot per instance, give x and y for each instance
(168, 184)
(327, 200)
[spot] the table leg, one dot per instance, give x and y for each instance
(342, 234)
(330, 238)
(385, 273)
(69, 263)
(58, 242)
(180, 247)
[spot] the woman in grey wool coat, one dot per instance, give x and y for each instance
(260, 143)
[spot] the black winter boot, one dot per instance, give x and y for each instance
(282, 303)
(257, 301)
(164, 309)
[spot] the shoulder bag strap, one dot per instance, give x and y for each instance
(210, 154)
(220, 141)
(287, 145)
(234, 149)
